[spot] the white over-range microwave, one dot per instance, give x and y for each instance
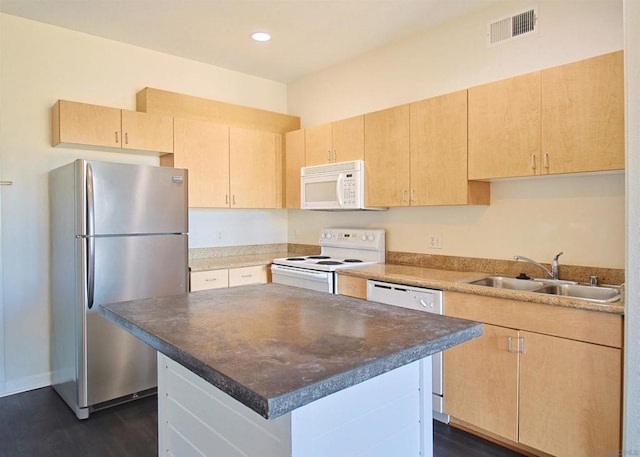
(334, 187)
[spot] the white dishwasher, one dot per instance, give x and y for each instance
(421, 299)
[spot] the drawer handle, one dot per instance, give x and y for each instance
(211, 279)
(509, 344)
(247, 276)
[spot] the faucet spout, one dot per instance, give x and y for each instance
(537, 264)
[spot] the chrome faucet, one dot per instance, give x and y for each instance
(555, 266)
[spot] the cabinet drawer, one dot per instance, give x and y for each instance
(353, 287)
(248, 275)
(211, 279)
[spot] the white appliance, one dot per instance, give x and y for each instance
(421, 299)
(118, 232)
(339, 248)
(335, 187)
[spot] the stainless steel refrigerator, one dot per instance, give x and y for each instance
(118, 232)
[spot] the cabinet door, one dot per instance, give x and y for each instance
(252, 163)
(583, 115)
(248, 275)
(570, 396)
(504, 128)
(387, 157)
(203, 148)
(81, 123)
(318, 145)
(147, 132)
(481, 381)
(439, 150)
(294, 160)
(352, 287)
(348, 139)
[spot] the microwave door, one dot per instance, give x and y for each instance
(320, 192)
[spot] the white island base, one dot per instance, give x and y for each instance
(388, 415)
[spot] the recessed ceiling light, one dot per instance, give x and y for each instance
(261, 36)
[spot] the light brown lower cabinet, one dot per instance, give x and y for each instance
(352, 286)
(232, 277)
(547, 379)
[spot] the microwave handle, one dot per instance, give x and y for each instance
(339, 182)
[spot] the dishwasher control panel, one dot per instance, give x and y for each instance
(418, 298)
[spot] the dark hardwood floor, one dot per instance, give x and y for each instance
(38, 424)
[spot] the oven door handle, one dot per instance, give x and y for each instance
(297, 272)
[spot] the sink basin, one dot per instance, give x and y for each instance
(604, 294)
(504, 282)
(600, 294)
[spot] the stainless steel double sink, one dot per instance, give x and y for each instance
(600, 294)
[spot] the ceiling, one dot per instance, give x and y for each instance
(308, 35)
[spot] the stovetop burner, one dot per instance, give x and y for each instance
(318, 257)
(329, 262)
(352, 260)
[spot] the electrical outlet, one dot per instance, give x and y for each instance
(218, 235)
(435, 241)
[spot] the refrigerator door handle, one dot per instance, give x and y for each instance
(91, 226)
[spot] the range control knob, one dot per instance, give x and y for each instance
(329, 236)
(364, 237)
(371, 237)
(323, 235)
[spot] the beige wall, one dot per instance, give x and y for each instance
(40, 64)
(580, 215)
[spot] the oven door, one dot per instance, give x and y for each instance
(321, 281)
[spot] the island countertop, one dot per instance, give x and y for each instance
(275, 348)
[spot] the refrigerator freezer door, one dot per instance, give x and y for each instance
(131, 199)
(115, 363)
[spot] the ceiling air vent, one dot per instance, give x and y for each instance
(511, 27)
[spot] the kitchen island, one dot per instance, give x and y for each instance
(272, 370)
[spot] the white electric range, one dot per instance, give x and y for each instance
(339, 248)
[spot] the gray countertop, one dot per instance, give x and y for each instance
(275, 348)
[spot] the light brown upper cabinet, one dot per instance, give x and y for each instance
(202, 148)
(564, 119)
(253, 169)
(439, 153)
(387, 152)
(339, 141)
(583, 115)
(504, 128)
(229, 167)
(294, 160)
(93, 125)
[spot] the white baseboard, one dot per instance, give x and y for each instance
(16, 386)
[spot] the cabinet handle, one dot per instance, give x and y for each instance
(6, 183)
(533, 161)
(126, 137)
(247, 276)
(412, 195)
(211, 279)
(117, 141)
(404, 195)
(509, 344)
(226, 199)
(334, 156)
(328, 155)
(521, 344)
(546, 160)
(234, 199)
